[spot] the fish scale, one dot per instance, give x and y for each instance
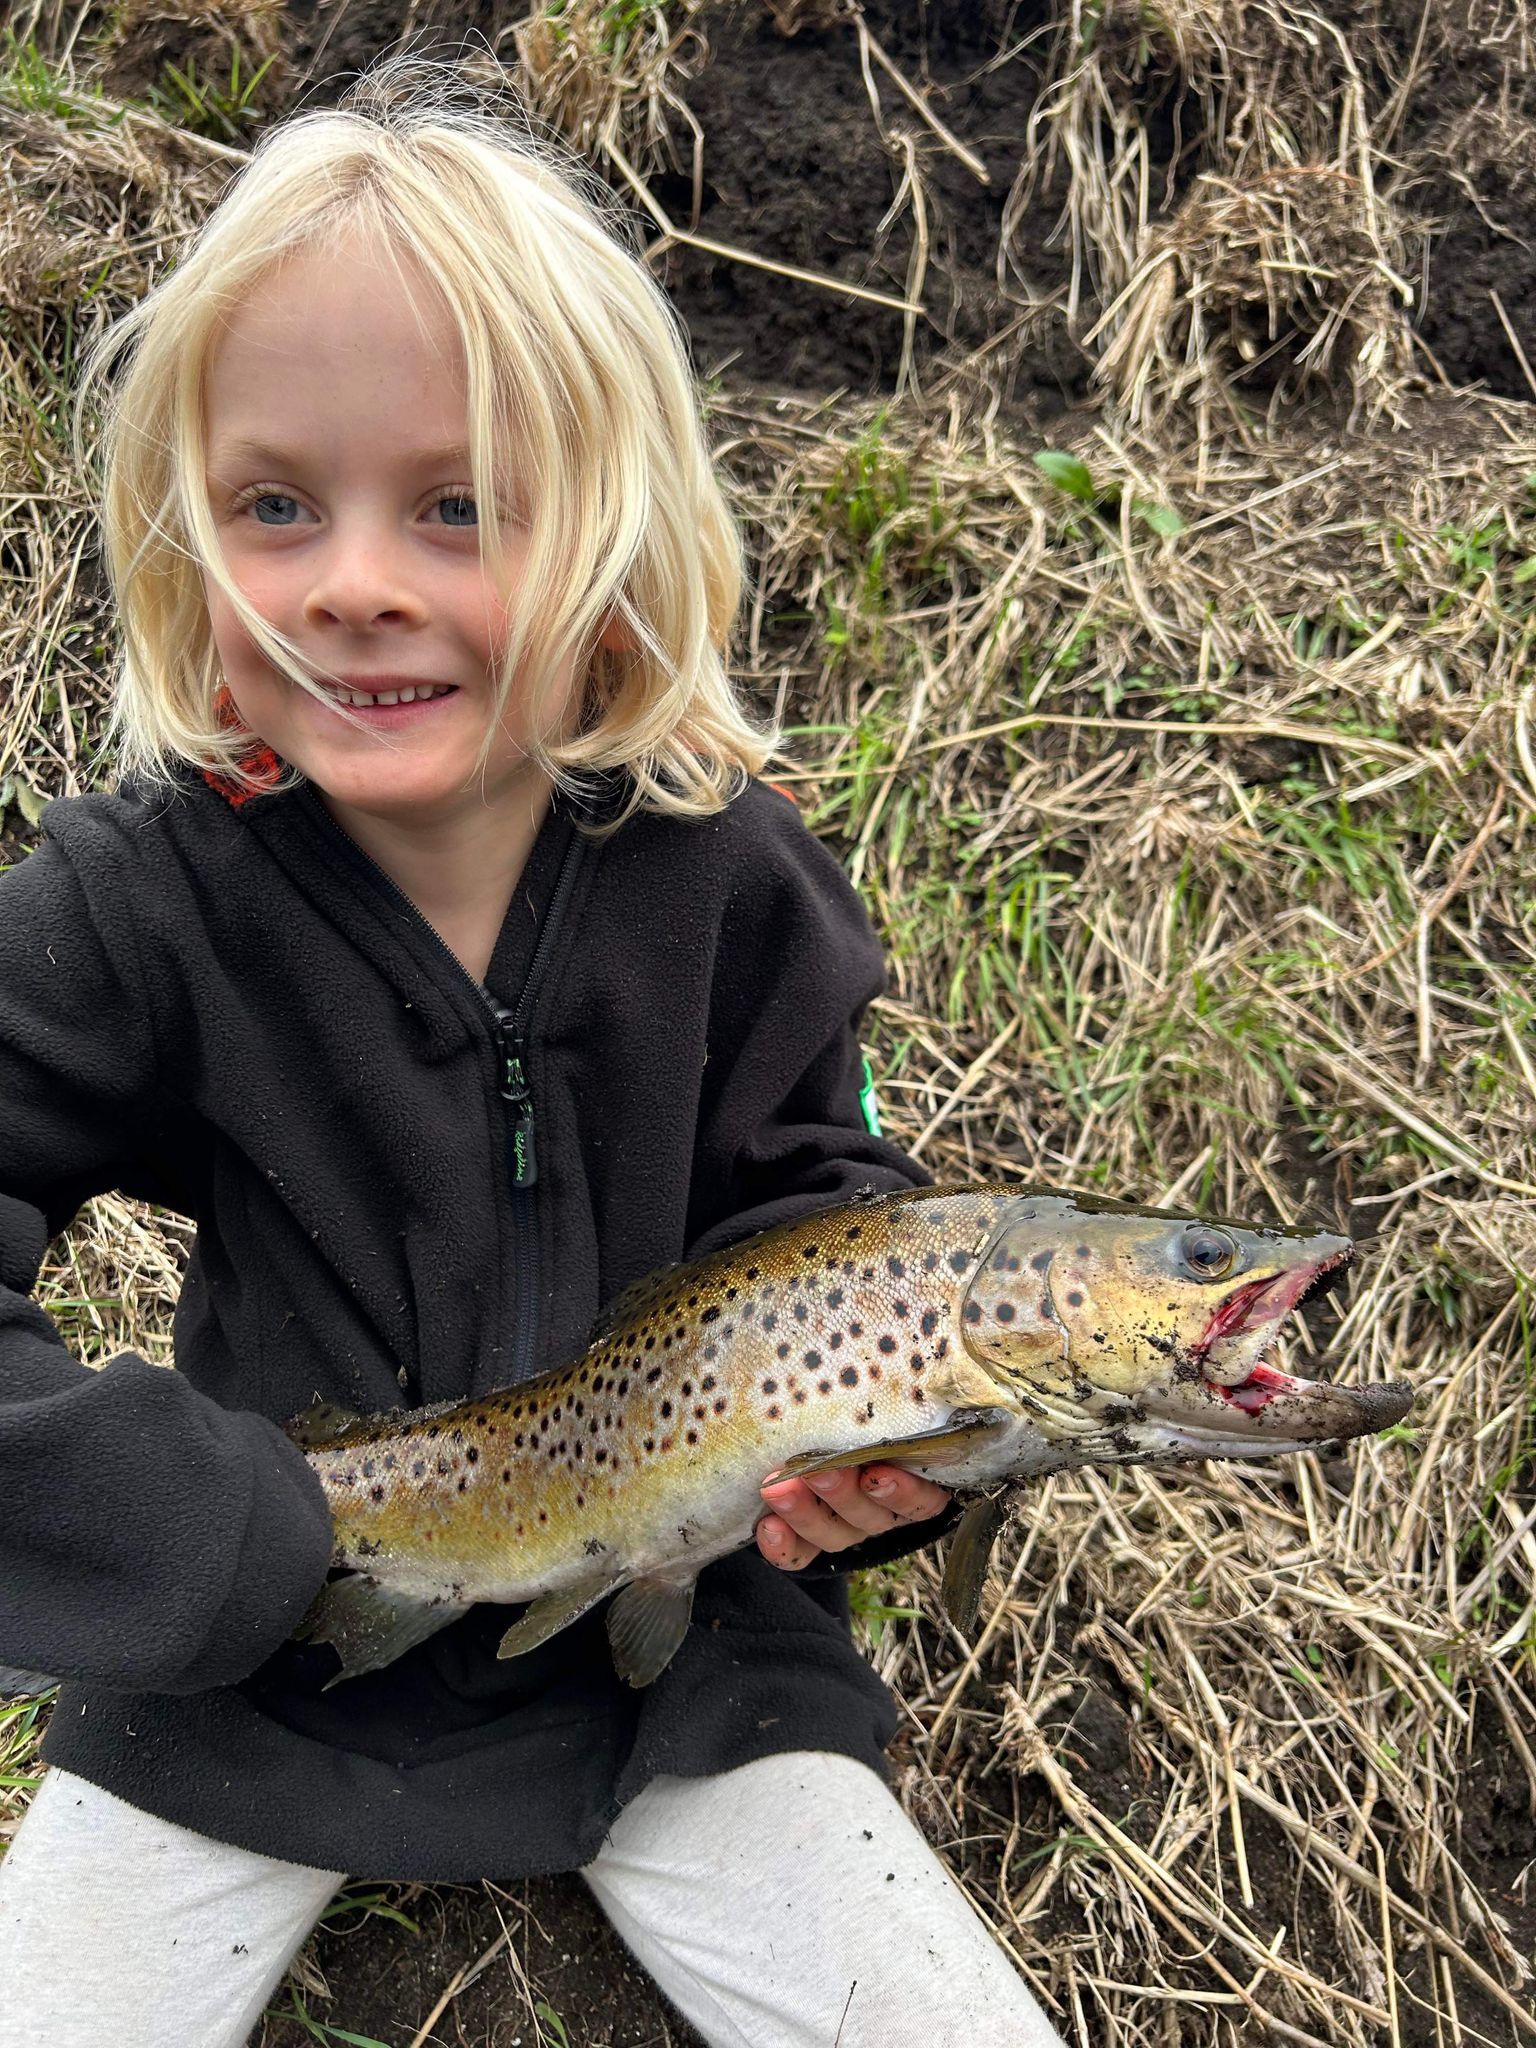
(975, 1335)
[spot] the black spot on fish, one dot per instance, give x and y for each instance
(849, 1376)
(693, 1436)
(687, 1390)
(930, 1321)
(855, 1329)
(835, 1297)
(708, 1384)
(823, 1386)
(835, 1341)
(798, 1397)
(810, 1251)
(800, 1311)
(887, 1345)
(1075, 1298)
(650, 1443)
(652, 1376)
(377, 1492)
(1005, 1311)
(973, 1311)
(754, 1273)
(719, 1404)
(418, 1470)
(958, 1261)
(930, 1260)
(506, 1475)
(874, 1370)
(1082, 1251)
(472, 1456)
(917, 1361)
(781, 1349)
(900, 1307)
(770, 1320)
(666, 1411)
(813, 1359)
(770, 1386)
(855, 1230)
(462, 1484)
(775, 1412)
(896, 1268)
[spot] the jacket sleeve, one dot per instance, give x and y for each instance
(149, 1538)
(799, 965)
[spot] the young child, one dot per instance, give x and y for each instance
(441, 955)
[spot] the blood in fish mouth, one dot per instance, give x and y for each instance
(1260, 1388)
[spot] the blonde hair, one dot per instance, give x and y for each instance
(575, 360)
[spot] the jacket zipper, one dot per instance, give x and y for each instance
(509, 1043)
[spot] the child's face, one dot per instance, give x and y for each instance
(352, 530)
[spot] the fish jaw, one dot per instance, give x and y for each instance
(1244, 1324)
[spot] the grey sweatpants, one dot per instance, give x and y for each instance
(788, 1904)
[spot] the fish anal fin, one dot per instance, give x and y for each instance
(552, 1612)
(646, 1626)
(947, 1446)
(369, 1625)
(970, 1552)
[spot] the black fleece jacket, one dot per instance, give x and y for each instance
(230, 1010)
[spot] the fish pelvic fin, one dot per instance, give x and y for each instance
(646, 1626)
(970, 1552)
(369, 1626)
(552, 1612)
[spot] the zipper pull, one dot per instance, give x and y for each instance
(512, 1085)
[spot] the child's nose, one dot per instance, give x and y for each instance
(363, 576)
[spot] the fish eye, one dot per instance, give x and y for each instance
(1209, 1253)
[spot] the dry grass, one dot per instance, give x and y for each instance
(1193, 800)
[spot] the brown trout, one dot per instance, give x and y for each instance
(980, 1336)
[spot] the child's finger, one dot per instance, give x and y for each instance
(908, 1497)
(781, 1546)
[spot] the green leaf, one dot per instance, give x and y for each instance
(1161, 518)
(30, 803)
(1526, 570)
(1068, 473)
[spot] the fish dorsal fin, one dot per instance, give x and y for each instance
(633, 1301)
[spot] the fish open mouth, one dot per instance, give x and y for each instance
(1233, 1347)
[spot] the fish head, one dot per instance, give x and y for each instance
(1144, 1335)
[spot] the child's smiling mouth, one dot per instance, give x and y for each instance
(403, 706)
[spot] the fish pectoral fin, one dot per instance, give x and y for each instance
(970, 1552)
(369, 1625)
(552, 1612)
(646, 1626)
(946, 1446)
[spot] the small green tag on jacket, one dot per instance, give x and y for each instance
(867, 1100)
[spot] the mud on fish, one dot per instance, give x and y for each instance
(980, 1336)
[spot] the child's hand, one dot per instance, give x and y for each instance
(835, 1510)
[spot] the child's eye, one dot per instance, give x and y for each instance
(457, 499)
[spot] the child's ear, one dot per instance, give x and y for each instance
(616, 638)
